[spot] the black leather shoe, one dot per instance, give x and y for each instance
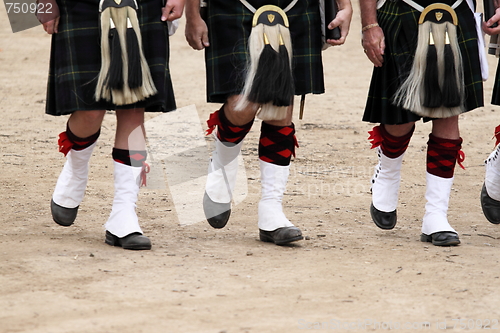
(382, 219)
(441, 238)
(491, 207)
(217, 214)
(61, 215)
(281, 236)
(134, 241)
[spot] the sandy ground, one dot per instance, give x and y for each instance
(347, 273)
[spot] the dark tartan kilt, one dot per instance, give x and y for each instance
(399, 22)
(75, 59)
(229, 25)
(495, 97)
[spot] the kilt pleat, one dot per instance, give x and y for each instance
(495, 97)
(229, 25)
(75, 59)
(399, 22)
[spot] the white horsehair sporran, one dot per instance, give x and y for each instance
(435, 86)
(124, 77)
(269, 80)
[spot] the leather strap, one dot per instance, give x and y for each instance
(415, 5)
(454, 6)
(253, 10)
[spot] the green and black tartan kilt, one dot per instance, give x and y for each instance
(75, 59)
(399, 22)
(495, 97)
(229, 25)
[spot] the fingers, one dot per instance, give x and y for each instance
(51, 27)
(489, 30)
(343, 22)
(376, 58)
(343, 35)
(196, 44)
(335, 42)
(171, 11)
(165, 12)
(374, 46)
(382, 46)
(494, 19)
(56, 25)
(204, 39)
(197, 34)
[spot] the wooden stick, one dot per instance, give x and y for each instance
(302, 103)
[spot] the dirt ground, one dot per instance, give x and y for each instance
(347, 275)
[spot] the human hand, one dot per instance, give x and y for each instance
(48, 15)
(494, 19)
(373, 42)
(343, 21)
(197, 33)
(51, 27)
(173, 10)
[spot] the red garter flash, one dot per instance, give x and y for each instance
(64, 143)
(145, 170)
(497, 135)
(375, 137)
(212, 122)
(461, 158)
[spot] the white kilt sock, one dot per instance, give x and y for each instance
(72, 182)
(385, 182)
(492, 176)
(222, 171)
(273, 181)
(123, 219)
(437, 195)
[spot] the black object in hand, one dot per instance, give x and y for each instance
(489, 11)
(331, 10)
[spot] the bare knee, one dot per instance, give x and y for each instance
(399, 130)
(88, 118)
(242, 117)
(446, 128)
(133, 117)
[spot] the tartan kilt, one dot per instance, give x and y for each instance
(399, 22)
(229, 25)
(75, 59)
(495, 97)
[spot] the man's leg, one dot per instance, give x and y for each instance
(391, 142)
(490, 193)
(443, 149)
(276, 147)
(77, 143)
(232, 127)
(129, 155)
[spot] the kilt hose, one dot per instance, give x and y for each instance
(75, 59)
(399, 22)
(229, 25)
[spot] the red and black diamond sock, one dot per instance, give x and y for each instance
(68, 140)
(442, 155)
(277, 144)
(226, 131)
(134, 158)
(394, 146)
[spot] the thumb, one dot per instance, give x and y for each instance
(204, 39)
